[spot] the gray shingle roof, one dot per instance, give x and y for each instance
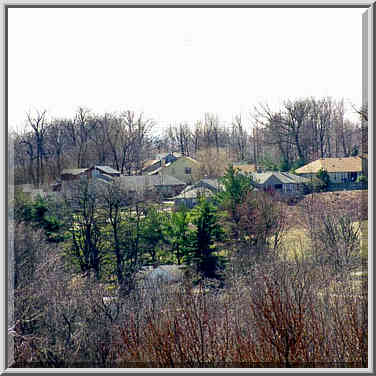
(73, 171)
(141, 181)
(107, 169)
(194, 193)
(171, 153)
(212, 182)
(283, 177)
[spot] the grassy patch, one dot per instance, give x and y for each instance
(295, 242)
(364, 239)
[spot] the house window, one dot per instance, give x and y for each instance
(188, 170)
(278, 186)
(352, 176)
(288, 187)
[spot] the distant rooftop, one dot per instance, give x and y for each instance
(194, 193)
(349, 164)
(73, 171)
(107, 169)
(283, 177)
(140, 181)
(214, 183)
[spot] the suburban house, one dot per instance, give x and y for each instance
(182, 169)
(163, 185)
(74, 174)
(104, 172)
(160, 160)
(192, 194)
(340, 170)
(282, 182)
(169, 157)
(151, 165)
(213, 185)
(97, 173)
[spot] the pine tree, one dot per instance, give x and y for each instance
(203, 238)
(177, 233)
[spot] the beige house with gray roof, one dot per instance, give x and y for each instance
(340, 170)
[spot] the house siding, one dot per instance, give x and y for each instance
(337, 177)
(342, 177)
(177, 169)
(69, 177)
(269, 184)
(169, 190)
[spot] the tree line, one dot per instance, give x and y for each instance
(301, 131)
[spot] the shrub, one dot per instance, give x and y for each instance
(315, 185)
(278, 317)
(362, 179)
(324, 177)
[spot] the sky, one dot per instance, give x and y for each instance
(175, 65)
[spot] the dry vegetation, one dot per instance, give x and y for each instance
(271, 312)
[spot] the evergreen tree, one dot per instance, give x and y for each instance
(236, 188)
(324, 177)
(153, 233)
(177, 233)
(203, 238)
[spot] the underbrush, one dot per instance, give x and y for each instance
(300, 301)
(280, 314)
(278, 317)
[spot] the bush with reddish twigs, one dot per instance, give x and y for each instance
(280, 318)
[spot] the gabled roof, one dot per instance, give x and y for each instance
(140, 181)
(107, 169)
(73, 171)
(164, 155)
(283, 177)
(156, 171)
(150, 163)
(349, 164)
(212, 183)
(194, 193)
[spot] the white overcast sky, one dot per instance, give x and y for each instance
(176, 64)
